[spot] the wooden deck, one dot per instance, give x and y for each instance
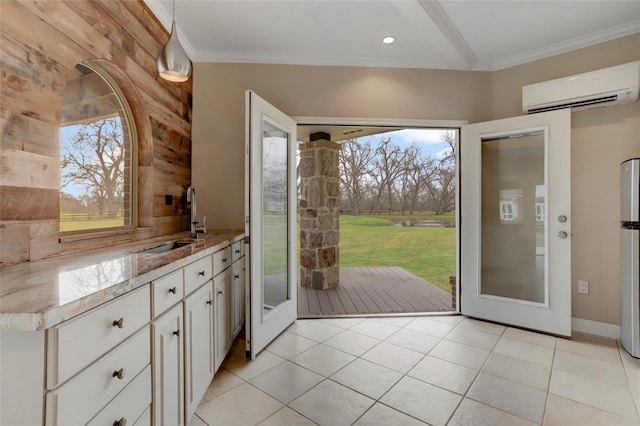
(374, 290)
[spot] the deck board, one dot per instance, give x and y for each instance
(373, 290)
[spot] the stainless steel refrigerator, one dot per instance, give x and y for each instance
(630, 256)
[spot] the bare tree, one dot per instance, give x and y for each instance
(419, 173)
(442, 185)
(404, 184)
(402, 178)
(355, 161)
(388, 165)
(94, 160)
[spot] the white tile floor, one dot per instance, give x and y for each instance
(446, 370)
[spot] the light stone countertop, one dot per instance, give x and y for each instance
(39, 295)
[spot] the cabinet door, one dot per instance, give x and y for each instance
(198, 346)
(237, 296)
(223, 317)
(168, 369)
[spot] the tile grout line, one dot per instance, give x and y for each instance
(553, 362)
(404, 375)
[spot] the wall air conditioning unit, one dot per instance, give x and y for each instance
(609, 86)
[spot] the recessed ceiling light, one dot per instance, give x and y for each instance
(388, 39)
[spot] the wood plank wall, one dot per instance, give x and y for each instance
(41, 41)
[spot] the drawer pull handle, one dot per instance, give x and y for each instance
(118, 323)
(201, 273)
(173, 290)
(224, 260)
(176, 333)
(209, 302)
(121, 422)
(219, 292)
(236, 276)
(237, 251)
(119, 374)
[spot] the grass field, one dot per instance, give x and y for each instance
(429, 253)
(79, 225)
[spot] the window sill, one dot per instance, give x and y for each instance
(68, 238)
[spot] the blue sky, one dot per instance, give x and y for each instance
(428, 140)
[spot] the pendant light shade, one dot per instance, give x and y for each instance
(172, 62)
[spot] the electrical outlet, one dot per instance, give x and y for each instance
(583, 287)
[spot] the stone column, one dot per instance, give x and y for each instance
(319, 225)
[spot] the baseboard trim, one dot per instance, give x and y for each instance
(594, 327)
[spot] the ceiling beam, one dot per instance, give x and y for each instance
(450, 31)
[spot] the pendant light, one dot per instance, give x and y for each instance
(172, 62)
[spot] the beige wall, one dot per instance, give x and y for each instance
(218, 108)
(602, 138)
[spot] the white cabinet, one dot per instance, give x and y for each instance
(192, 351)
(237, 288)
(166, 292)
(144, 358)
(168, 368)
(237, 296)
(221, 287)
(130, 406)
(22, 377)
(197, 273)
(99, 330)
(198, 345)
(79, 399)
(221, 260)
(94, 357)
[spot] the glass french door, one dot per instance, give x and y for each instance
(515, 221)
(270, 222)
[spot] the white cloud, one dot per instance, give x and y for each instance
(441, 154)
(422, 136)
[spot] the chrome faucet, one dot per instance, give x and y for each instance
(196, 229)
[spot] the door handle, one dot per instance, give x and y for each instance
(562, 234)
(121, 422)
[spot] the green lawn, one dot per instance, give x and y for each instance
(80, 225)
(429, 253)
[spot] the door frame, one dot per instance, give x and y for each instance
(549, 316)
(407, 123)
(261, 327)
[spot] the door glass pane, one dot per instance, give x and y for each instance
(274, 225)
(513, 217)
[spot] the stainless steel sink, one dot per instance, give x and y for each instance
(168, 246)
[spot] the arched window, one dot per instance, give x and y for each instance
(97, 153)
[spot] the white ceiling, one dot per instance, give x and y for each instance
(445, 34)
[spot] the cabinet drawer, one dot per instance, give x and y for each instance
(76, 343)
(221, 260)
(145, 418)
(167, 291)
(78, 400)
(197, 273)
(130, 404)
(237, 250)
